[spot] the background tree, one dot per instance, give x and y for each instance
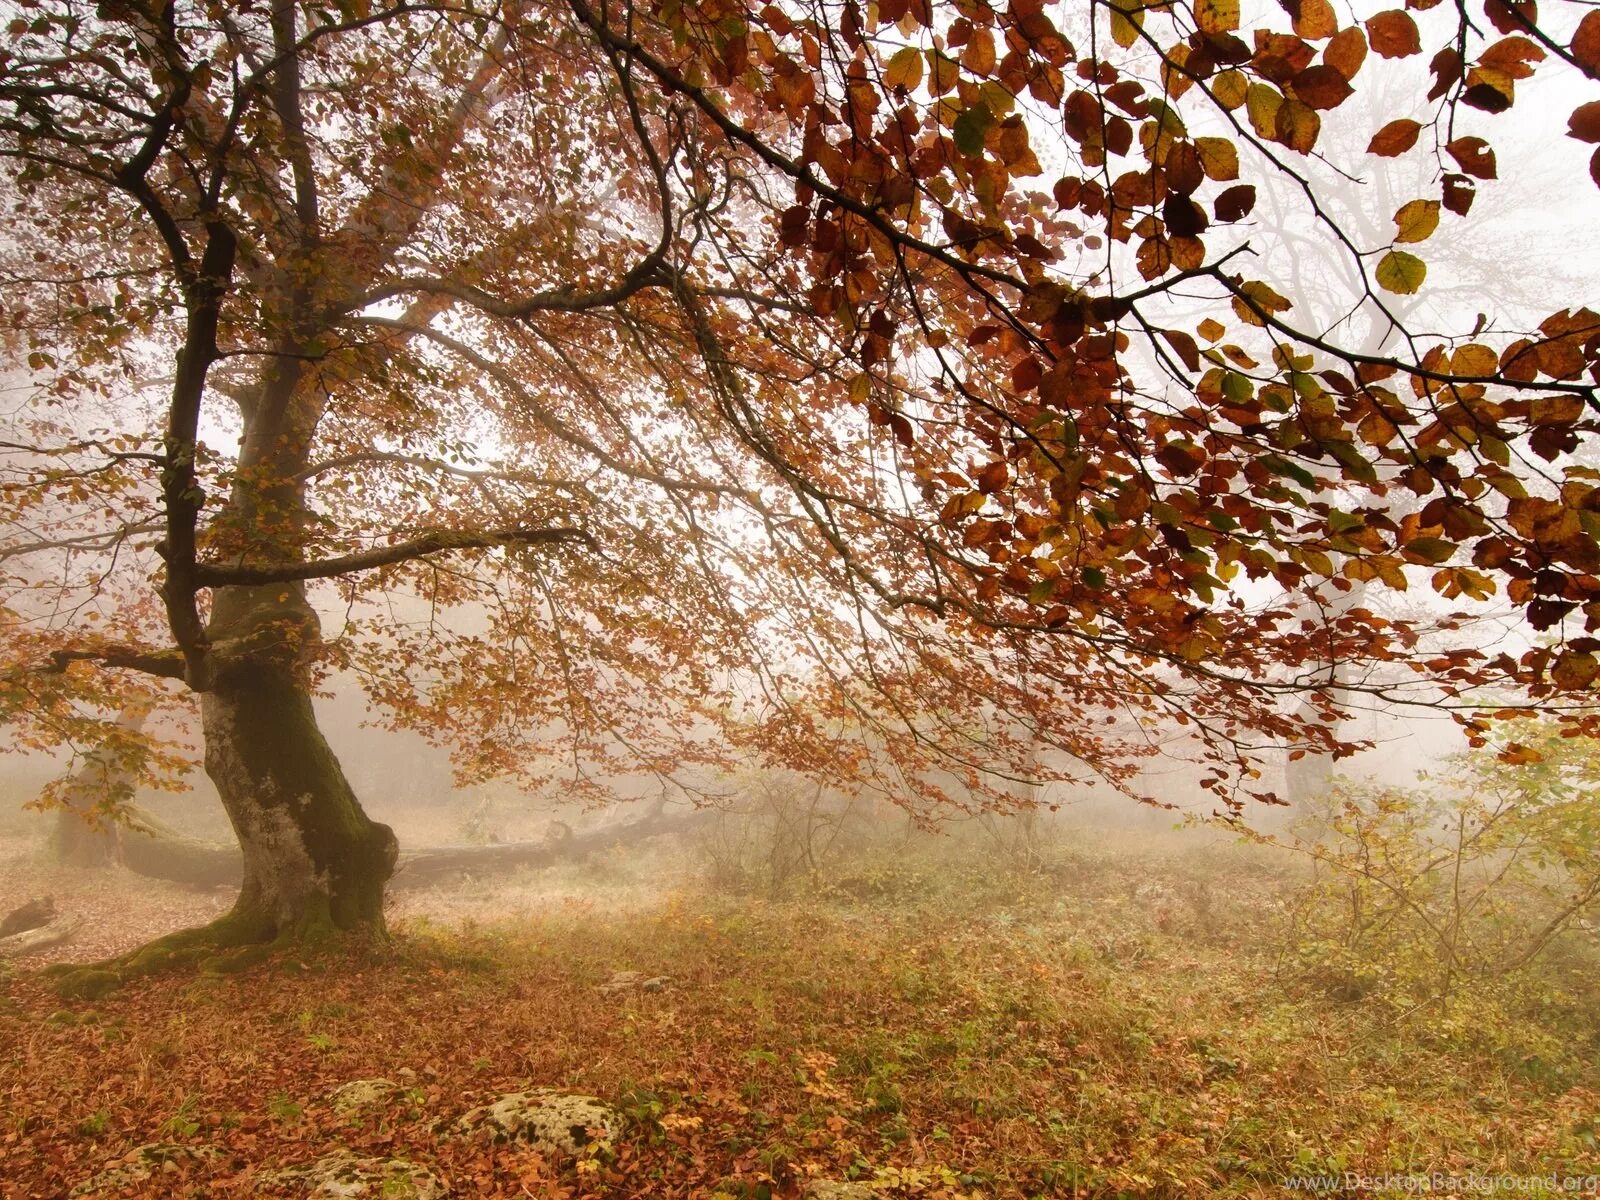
(584, 366)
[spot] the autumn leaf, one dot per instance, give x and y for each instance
(1416, 220)
(1217, 16)
(1262, 103)
(978, 54)
(970, 128)
(1297, 126)
(1395, 138)
(1430, 550)
(1586, 43)
(1575, 670)
(1219, 157)
(1313, 19)
(1235, 203)
(904, 69)
(1125, 25)
(1401, 272)
(1347, 51)
(1322, 87)
(1473, 155)
(1393, 34)
(1474, 360)
(1584, 124)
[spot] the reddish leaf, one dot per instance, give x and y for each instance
(1393, 34)
(1395, 138)
(1347, 51)
(1473, 155)
(1235, 203)
(1322, 87)
(1516, 17)
(1586, 43)
(1459, 193)
(1584, 124)
(1446, 68)
(1185, 347)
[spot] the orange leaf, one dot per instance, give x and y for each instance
(1584, 124)
(1395, 138)
(1347, 51)
(1393, 34)
(1474, 156)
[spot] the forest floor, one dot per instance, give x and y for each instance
(1115, 1025)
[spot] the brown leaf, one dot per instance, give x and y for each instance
(1235, 203)
(1586, 43)
(1584, 124)
(1446, 68)
(1393, 34)
(1322, 87)
(1297, 125)
(1395, 138)
(1347, 51)
(1459, 193)
(1313, 19)
(1473, 155)
(1185, 347)
(1516, 17)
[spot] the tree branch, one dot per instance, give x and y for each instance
(166, 665)
(434, 542)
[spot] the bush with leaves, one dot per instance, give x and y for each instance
(1468, 895)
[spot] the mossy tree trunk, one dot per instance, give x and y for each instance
(314, 862)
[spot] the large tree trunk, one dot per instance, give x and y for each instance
(313, 860)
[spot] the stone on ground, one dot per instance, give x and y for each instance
(560, 1125)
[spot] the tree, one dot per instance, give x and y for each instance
(672, 383)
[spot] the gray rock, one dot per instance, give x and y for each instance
(559, 1124)
(348, 1099)
(345, 1176)
(827, 1189)
(634, 981)
(142, 1164)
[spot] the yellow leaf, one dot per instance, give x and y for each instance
(904, 69)
(1125, 26)
(1263, 101)
(1315, 20)
(1230, 89)
(1217, 16)
(1401, 273)
(1416, 220)
(1219, 157)
(1474, 360)
(978, 56)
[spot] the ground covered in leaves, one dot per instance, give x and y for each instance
(937, 1029)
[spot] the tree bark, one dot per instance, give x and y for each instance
(312, 857)
(314, 862)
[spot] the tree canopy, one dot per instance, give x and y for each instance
(883, 390)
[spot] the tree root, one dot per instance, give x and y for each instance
(227, 945)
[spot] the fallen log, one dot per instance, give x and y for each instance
(150, 847)
(29, 916)
(31, 941)
(420, 868)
